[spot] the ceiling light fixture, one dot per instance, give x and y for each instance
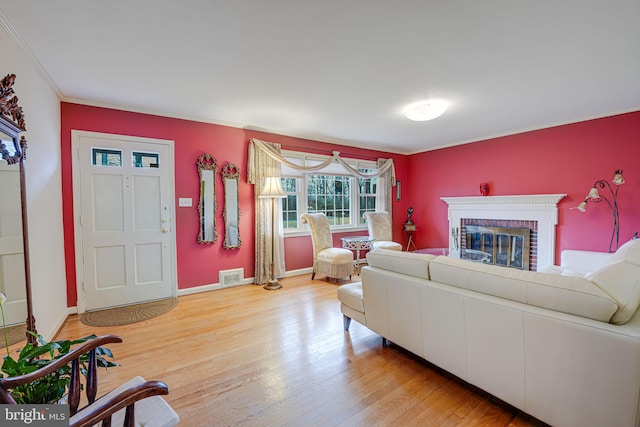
(425, 110)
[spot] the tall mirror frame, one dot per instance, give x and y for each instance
(207, 168)
(13, 147)
(231, 213)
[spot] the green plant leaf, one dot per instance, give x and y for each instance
(50, 388)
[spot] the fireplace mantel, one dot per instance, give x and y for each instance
(542, 208)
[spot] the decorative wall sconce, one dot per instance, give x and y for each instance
(595, 196)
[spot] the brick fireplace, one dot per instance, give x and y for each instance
(538, 213)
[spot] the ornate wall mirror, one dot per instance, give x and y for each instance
(15, 276)
(231, 213)
(207, 167)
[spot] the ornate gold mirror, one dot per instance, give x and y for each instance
(231, 213)
(207, 167)
(15, 276)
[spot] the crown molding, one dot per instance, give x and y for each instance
(11, 31)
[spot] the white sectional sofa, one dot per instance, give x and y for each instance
(562, 346)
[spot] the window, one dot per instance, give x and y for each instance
(290, 203)
(366, 195)
(106, 157)
(341, 197)
(145, 160)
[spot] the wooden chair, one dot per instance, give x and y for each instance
(136, 402)
(332, 262)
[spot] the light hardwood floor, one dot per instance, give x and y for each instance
(251, 357)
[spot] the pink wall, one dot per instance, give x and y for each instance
(563, 159)
(198, 264)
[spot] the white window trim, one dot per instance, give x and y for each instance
(304, 158)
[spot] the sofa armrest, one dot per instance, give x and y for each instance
(584, 262)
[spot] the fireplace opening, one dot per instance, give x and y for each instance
(504, 246)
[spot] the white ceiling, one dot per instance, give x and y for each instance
(342, 70)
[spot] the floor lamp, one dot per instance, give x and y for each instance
(595, 196)
(272, 190)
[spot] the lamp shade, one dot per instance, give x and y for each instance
(582, 207)
(618, 179)
(593, 193)
(272, 188)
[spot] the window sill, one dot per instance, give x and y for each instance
(298, 233)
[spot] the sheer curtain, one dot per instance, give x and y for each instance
(383, 189)
(260, 166)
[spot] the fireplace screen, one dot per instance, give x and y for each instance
(508, 247)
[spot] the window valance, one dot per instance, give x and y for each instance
(385, 166)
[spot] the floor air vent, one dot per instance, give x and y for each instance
(231, 277)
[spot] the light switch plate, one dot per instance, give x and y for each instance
(185, 202)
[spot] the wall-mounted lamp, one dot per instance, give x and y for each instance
(595, 196)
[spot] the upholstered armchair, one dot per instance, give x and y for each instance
(380, 229)
(332, 262)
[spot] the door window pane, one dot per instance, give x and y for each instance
(106, 157)
(145, 160)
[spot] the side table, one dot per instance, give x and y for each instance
(409, 229)
(357, 244)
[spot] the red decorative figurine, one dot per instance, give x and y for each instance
(484, 189)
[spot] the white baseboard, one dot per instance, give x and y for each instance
(211, 287)
(198, 289)
(298, 272)
(247, 281)
(49, 333)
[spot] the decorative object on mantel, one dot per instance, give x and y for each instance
(272, 190)
(484, 189)
(596, 197)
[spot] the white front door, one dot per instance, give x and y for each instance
(12, 274)
(125, 196)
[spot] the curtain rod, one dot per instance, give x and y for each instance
(329, 152)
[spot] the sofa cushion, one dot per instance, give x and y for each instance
(387, 244)
(573, 295)
(629, 252)
(416, 265)
(621, 281)
(351, 296)
(338, 255)
(151, 411)
(564, 271)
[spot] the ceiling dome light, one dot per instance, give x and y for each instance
(425, 110)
